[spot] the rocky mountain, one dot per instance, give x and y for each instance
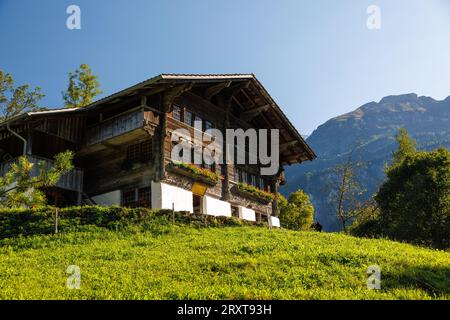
(369, 131)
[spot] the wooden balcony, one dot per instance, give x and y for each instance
(73, 180)
(113, 127)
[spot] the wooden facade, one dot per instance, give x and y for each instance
(123, 142)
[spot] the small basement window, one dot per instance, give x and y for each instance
(145, 197)
(129, 198)
(235, 211)
(137, 198)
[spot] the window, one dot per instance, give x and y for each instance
(208, 125)
(137, 198)
(261, 183)
(235, 211)
(145, 197)
(243, 176)
(129, 198)
(134, 152)
(239, 175)
(210, 167)
(248, 178)
(266, 186)
(176, 112)
(146, 150)
(140, 151)
(253, 180)
(188, 116)
(236, 174)
(198, 122)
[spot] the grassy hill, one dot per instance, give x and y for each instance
(158, 260)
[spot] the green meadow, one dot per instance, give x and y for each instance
(159, 260)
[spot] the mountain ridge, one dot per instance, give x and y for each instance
(369, 131)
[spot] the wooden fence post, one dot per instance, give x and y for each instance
(173, 213)
(56, 220)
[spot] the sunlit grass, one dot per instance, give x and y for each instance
(183, 262)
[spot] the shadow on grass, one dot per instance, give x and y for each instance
(434, 281)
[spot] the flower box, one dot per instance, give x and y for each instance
(254, 193)
(195, 173)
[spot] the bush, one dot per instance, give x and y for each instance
(367, 223)
(25, 222)
(298, 212)
(415, 200)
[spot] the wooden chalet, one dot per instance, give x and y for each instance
(123, 143)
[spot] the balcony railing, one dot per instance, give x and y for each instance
(115, 126)
(73, 180)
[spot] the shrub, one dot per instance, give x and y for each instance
(415, 200)
(25, 222)
(367, 223)
(298, 212)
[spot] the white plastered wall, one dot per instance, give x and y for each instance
(164, 195)
(215, 207)
(275, 222)
(247, 214)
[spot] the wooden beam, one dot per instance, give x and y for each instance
(293, 159)
(110, 145)
(225, 105)
(248, 98)
(285, 146)
(156, 90)
(231, 91)
(146, 107)
(173, 93)
(254, 112)
(275, 211)
(218, 109)
(238, 103)
(213, 90)
(144, 101)
(167, 100)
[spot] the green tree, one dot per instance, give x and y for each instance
(83, 88)
(367, 221)
(282, 201)
(298, 212)
(15, 100)
(406, 146)
(346, 190)
(22, 185)
(415, 200)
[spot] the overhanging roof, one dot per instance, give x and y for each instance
(298, 143)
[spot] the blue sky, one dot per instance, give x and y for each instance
(317, 58)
